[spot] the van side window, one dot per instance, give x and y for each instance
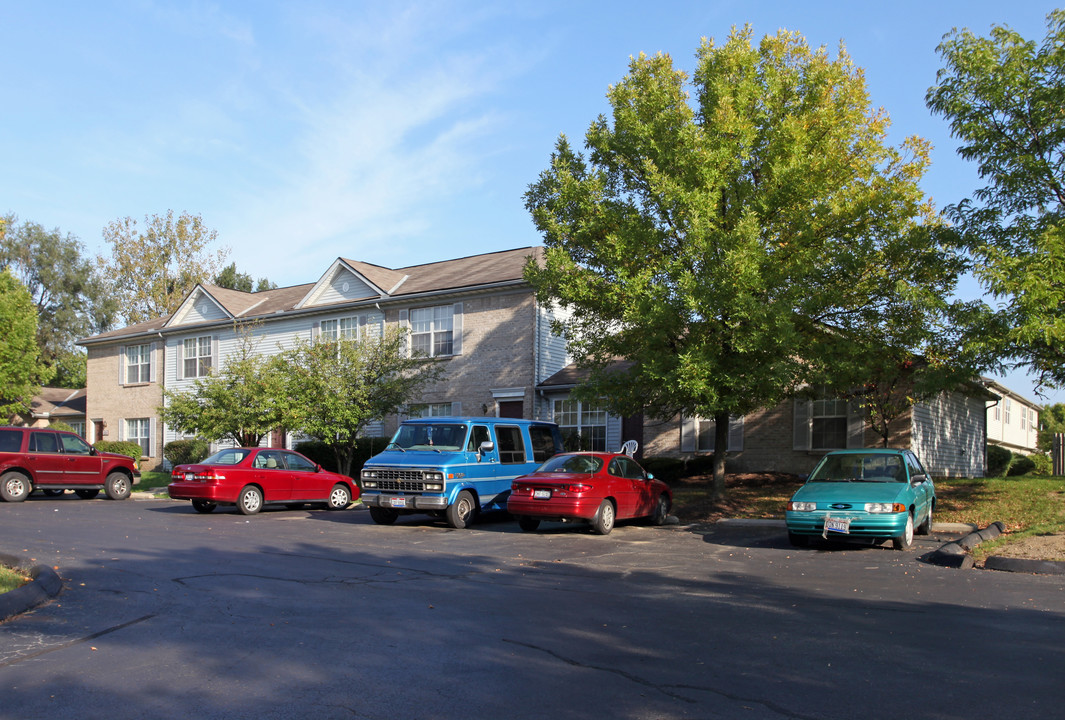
(478, 435)
(511, 444)
(43, 442)
(10, 440)
(74, 445)
(543, 442)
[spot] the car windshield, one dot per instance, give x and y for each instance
(860, 467)
(572, 464)
(229, 456)
(441, 437)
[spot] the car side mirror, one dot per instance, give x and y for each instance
(650, 476)
(486, 447)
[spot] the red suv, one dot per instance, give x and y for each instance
(54, 461)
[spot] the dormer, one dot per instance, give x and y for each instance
(348, 281)
(199, 307)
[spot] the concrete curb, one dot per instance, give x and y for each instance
(956, 554)
(45, 585)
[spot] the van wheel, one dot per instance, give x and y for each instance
(87, 494)
(117, 486)
(14, 487)
(460, 512)
(383, 516)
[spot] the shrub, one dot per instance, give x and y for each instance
(122, 447)
(184, 452)
(666, 469)
(322, 453)
(998, 460)
(59, 425)
(1021, 465)
(1042, 465)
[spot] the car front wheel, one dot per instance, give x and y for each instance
(661, 512)
(117, 486)
(250, 500)
(339, 498)
(925, 528)
(603, 522)
(460, 513)
(14, 487)
(903, 541)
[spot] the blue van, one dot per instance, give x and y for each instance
(454, 467)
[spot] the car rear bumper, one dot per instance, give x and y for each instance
(580, 508)
(199, 491)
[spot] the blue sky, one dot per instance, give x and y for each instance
(391, 132)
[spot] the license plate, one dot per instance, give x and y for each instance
(838, 525)
(189, 477)
(542, 494)
(397, 502)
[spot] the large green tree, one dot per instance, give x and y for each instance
(72, 299)
(241, 402)
(22, 372)
(1004, 97)
(726, 242)
(230, 277)
(336, 388)
(152, 269)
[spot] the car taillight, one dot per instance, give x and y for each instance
(209, 476)
(578, 487)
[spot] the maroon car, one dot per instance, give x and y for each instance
(54, 461)
(594, 487)
(252, 477)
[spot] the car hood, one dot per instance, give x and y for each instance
(851, 492)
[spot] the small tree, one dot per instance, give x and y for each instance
(241, 402)
(336, 388)
(22, 371)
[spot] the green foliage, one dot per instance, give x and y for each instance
(334, 389)
(22, 370)
(242, 402)
(230, 278)
(323, 454)
(709, 240)
(666, 469)
(998, 460)
(153, 270)
(187, 451)
(1003, 97)
(60, 425)
(1021, 465)
(1041, 464)
(72, 299)
(122, 447)
(1052, 422)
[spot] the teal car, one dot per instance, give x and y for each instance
(870, 495)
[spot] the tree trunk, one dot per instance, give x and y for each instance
(721, 427)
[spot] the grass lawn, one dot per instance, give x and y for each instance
(11, 579)
(1026, 505)
(153, 481)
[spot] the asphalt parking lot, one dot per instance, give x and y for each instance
(167, 613)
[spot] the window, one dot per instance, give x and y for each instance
(478, 436)
(138, 364)
(298, 462)
(431, 410)
(74, 445)
(623, 467)
(431, 330)
(10, 440)
(78, 426)
(583, 425)
(706, 434)
(197, 355)
(544, 442)
(139, 430)
(829, 424)
(346, 328)
(1009, 407)
(511, 444)
(45, 442)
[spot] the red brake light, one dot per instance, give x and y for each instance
(578, 487)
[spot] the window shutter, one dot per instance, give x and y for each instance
(152, 362)
(122, 365)
(456, 408)
(179, 372)
(456, 330)
(121, 430)
(855, 425)
(803, 429)
(214, 355)
(688, 431)
(735, 434)
(316, 330)
(404, 324)
(151, 437)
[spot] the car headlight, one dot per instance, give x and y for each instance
(879, 508)
(799, 506)
(434, 486)
(368, 483)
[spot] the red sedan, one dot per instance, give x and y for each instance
(252, 477)
(593, 487)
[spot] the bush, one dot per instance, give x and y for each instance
(1042, 465)
(184, 452)
(666, 469)
(122, 447)
(59, 425)
(1021, 465)
(322, 453)
(998, 460)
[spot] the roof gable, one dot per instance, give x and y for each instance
(200, 306)
(343, 282)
